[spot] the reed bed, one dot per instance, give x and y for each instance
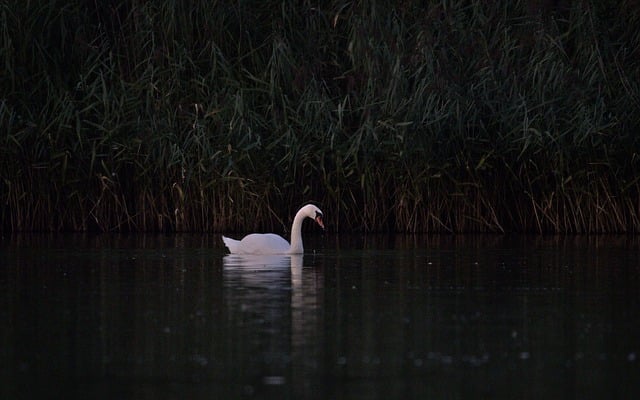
(454, 116)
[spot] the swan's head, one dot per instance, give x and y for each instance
(314, 213)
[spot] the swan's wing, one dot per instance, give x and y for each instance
(262, 243)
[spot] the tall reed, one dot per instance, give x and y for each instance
(453, 116)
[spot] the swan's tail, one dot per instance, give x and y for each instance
(231, 244)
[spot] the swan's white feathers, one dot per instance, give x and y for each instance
(258, 243)
(231, 244)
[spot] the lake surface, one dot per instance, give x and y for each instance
(357, 317)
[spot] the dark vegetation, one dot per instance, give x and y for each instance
(449, 116)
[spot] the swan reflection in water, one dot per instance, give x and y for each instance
(261, 260)
(274, 295)
(261, 270)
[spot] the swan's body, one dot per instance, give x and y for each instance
(270, 243)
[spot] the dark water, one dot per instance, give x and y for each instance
(165, 317)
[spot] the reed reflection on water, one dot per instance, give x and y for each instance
(358, 317)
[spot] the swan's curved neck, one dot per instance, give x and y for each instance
(296, 233)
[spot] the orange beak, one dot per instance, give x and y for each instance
(319, 221)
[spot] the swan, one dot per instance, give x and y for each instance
(270, 243)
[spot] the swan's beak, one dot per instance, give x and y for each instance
(319, 221)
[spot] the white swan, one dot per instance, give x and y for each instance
(270, 243)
